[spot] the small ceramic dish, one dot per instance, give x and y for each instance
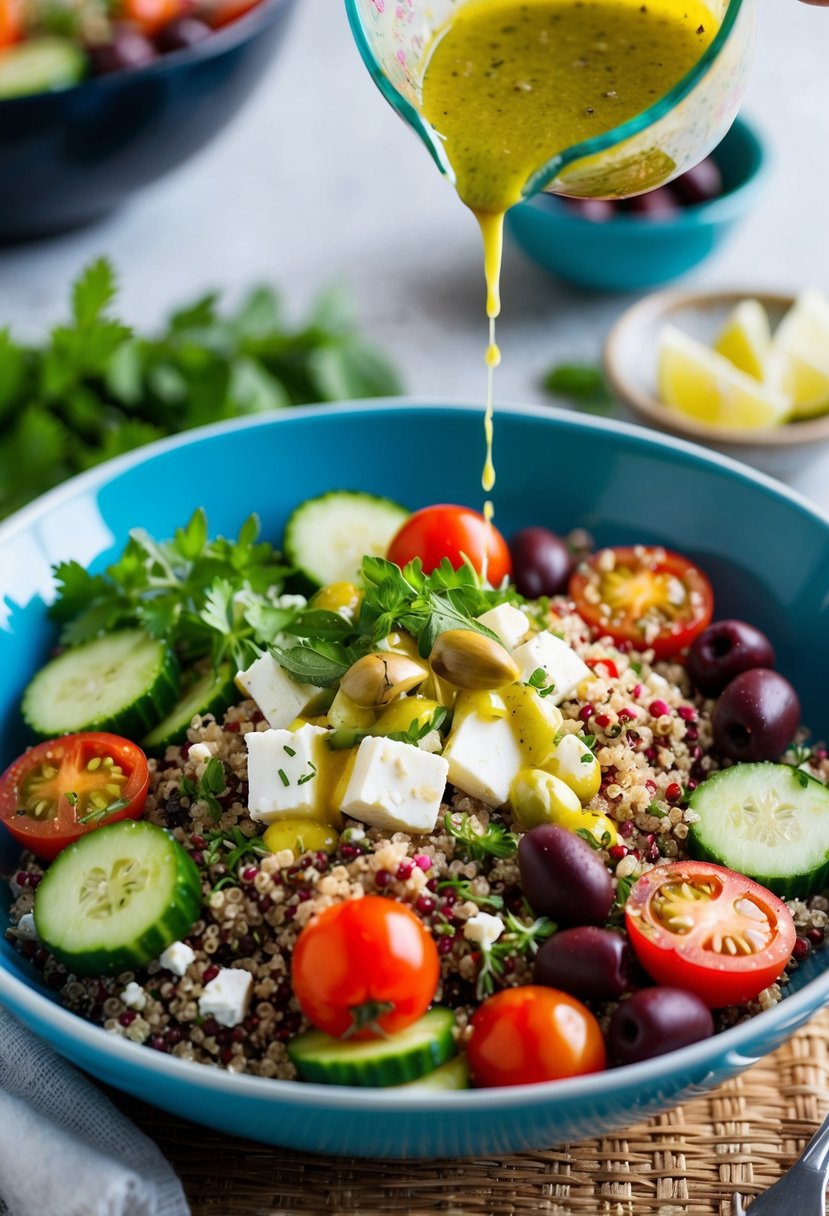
(630, 357)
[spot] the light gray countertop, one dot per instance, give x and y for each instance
(318, 180)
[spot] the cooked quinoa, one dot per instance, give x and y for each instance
(653, 740)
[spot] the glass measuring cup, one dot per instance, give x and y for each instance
(646, 151)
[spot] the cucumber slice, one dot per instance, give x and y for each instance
(767, 821)
(211, 694)
(117, 898)
(326, 538)
(123, 682)
(407, 1056)
(454, 1075)
(40, 65)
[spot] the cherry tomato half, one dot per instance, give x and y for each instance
(644, 595)
(529, 1034)
(702, 927)
(58, 791)
(454, 532)
(364, 968)
(11, 22)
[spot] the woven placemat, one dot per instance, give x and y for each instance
(688, 1162)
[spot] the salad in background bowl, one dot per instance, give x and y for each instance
(472, 823)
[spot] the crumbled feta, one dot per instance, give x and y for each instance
(431, 743)
(484, 758)
(200, 751)
(283, 772)
(280, 698)
(560, 663)
(26, 927)
(509, 624)
(134, 997)
(483, 929)
(177, 958)
(227, 997)
(395, 786)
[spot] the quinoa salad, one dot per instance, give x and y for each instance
(377, 807)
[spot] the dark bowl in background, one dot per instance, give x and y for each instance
(70, 156)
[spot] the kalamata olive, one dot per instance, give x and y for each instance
(590, 963)
(756, 716)
(181, 33)
(656, 204)
(702, 183)
(541, 562)
(723, 651)
(599, 210)
(655, 1021)
(563, 878)
(128, 49)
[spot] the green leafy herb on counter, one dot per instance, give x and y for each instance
(94, 389)
(583, 384)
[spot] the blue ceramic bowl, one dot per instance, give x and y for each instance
(632, 251)
(69, 157)
(767, 553)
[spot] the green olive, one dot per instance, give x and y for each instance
(344, 598)
(538, 797)
(300, 836)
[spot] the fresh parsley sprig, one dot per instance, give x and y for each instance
(209, 788)
(519, 939)
(464, 889)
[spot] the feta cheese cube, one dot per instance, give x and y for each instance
(26, 927)
(483, 929)
(508, 623)
(200, 751)
(283, 772)
(561, 665)
(278, 695)
(395, 786)
(177, 958)
(484, 757)
(134, 997)
(227, 997)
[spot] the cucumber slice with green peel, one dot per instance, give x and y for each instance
(767, 821)
(40, 65)
(123, 682)
(326, 538)
(117, 898)
(210, 694)
(454, 1075)
(407, 1056)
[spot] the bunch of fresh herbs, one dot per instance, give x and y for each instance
(94, 389)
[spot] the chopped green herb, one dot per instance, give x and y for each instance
(464, 890)
(306, 777)
(289, 751)
(419, 730)
(495, 841)
(538, 681)
(283, 776)
(103, 812)
(519, 939)
(587, 835)
(71, 798)
(211, 786)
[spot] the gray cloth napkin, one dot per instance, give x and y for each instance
(64, 1148)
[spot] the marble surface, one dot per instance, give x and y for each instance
(319, 180)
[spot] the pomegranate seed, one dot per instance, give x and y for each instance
(449, 899)
(257, 716)
(617, 851)
(422, 861)
(185, 750)
(432, 885)
(637, 691)
(21, 878)
(210, 973)
(445, 945)
(687, 713)
(210, 1027)
(348, 852)
(691, 784)
(231, 727)
(650, 786)
(652, 853)
(405, 869)
(692, 733)
(815, 936)
(174, 1036)
(674, 792)
(321, 861)
(658, 709)
(586, 713)
(249, 873)
(290, 913)
(802, 949)
(628, 714)
(602, 720)
(227, 1056)
(198, 841)
(127, 1017)
(425, 904)
(157, 1043)
(239, 1034)
(650, 754)
(626, 828)
(382, 879)
(198, 857)
(509, 965)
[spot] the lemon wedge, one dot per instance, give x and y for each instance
(703, 384)
(799, 361)
(745, 339)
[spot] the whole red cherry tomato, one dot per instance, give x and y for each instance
(456, 533)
